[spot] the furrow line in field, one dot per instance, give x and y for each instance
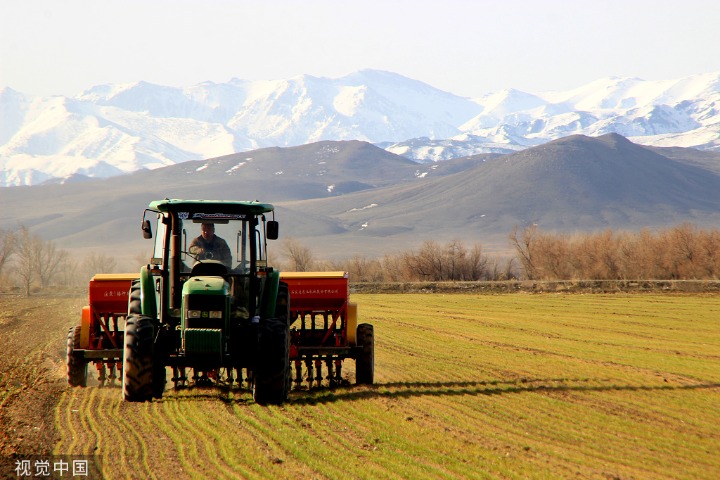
(284, 451)
(202, 421)
(165, 419)
(238, 449)
(89, 411)
(542, 417)
(293, 433)
(209, 418)
(401, 437)
(371, 432)
(64, 423)
(391, 439)
(301, 439)
(127, 423)
(338, 443)
(94, 424)
(516, 432)
(471, 426)
(588, 363)
(76, 413)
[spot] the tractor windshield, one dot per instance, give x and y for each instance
(228, 241)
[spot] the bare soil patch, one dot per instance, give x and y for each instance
(32, 372)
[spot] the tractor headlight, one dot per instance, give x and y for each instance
(204, 314)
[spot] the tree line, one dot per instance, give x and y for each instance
(432, 261)
(29, 262)
(683, 252)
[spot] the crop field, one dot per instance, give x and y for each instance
(467, 386)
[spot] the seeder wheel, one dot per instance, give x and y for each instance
(271, 378)
(365, 362)
(76, 366)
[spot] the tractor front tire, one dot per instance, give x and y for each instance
(138, 359)
(77, 367)
(271, 376)
(365, 362)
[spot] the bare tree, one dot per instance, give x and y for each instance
(455, 253)
(98, 263)
(48, 260)
(427, 263)
(300, 257)
(28, 247)
(524, 243)
(510, 273)
(687, 251)
(393, 268)
(363, 269)
(37, 259)
(451, 261)
(711, 246)
(69, 272)
(8, 245)
(476, 264)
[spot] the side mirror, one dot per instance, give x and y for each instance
(146, 229)
(273, 229)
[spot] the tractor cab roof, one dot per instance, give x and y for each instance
(211, 206)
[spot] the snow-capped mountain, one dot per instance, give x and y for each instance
(114, 129)
(683, 113)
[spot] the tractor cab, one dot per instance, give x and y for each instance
(199, 238)
(208, 289)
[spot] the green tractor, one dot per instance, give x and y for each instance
(207, 305)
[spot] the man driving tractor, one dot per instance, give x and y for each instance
(209, 246)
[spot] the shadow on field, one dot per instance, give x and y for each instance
(420, 389)
(243, 396)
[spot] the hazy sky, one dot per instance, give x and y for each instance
(467, 47)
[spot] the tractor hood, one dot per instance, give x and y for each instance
(206, 286)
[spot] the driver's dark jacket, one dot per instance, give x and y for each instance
(217, 246)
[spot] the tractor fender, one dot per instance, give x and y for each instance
(85, 327)
(270, 293)
(147, 293)
(352, 311)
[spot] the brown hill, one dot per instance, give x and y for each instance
(351, 197)
(576, 183)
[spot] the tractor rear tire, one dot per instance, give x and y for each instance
(135, 308)
(77, 367)
(282, 304)
(271, 376)
(365, 362)
(135, 299)
(138, 359)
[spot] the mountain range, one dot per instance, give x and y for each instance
(352, 197)
(111, 130)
